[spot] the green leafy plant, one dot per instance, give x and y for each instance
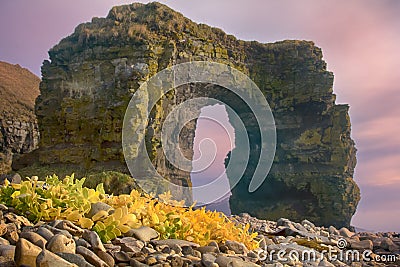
(109, 226)
(51, 199)
(68, 199)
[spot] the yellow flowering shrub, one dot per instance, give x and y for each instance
(69, 199)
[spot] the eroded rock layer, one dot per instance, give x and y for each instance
(19, 132)
(93, 73)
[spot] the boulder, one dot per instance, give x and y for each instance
(49, 259)
(26, 253)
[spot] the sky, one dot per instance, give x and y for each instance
(214, 138)
(359, 39)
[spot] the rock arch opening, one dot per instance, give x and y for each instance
(214, 139)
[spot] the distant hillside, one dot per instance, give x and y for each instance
(18, 90)
(18, 125)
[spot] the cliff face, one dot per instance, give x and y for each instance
(18, 126)
(93, 73)
(315, 158)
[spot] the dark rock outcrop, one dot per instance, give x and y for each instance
(93, 73)
(19, 132)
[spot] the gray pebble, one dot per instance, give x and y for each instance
(82, 242)
(187, 250)
(143, 233)
(107, 258)
(171, 242)
(75, 258)
(96, 207)
(47, 259)
(93, 238)
(223, 261)
(45, 233)
(56, 231)
(121, 256)
(91, 257)
(208, 260)
(136, 263)
(237, 247)
(208, 249)
(68, 226)
(35, 238)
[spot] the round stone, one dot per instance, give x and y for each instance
(61, 243)
(143, 233)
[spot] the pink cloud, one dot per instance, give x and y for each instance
(374, 135)
(379, 219)
(380, 171)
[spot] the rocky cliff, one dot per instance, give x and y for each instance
(93, 73)
(19, 132)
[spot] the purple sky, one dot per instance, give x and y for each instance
(214, 138)
(360, 41)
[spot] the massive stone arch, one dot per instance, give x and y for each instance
(93, 73)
